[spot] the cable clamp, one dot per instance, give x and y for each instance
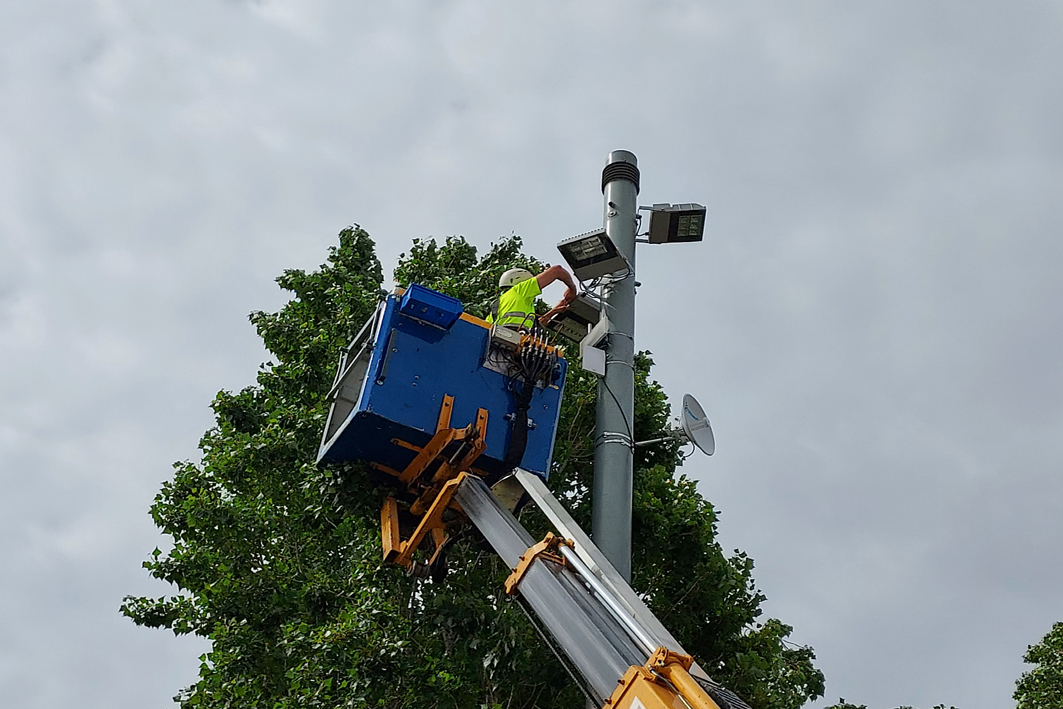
(627, 364)
(615, 437)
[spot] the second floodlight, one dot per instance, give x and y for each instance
(676, 223)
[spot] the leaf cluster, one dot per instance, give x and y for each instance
(1042, 686)
(454, 268)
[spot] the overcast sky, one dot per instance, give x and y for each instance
(873, 321)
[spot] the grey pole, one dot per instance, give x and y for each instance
(613, 444)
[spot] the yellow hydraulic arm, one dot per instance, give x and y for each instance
(623, 656)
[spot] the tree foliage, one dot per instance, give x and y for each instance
(1042, 687)
(277, 562)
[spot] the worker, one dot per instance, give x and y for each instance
(515, 306)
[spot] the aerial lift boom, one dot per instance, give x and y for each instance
(622, 653)
(419, 366)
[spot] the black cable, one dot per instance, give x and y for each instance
(724, 698)
(693, 447)
(530, 362)
(518, 435)
(630, 433)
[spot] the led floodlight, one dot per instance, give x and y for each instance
(581, 315)
(592, 254)
(676, 223)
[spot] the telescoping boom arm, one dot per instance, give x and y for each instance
(440, 404)
(622, 656)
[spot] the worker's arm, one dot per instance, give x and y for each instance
(558, 273)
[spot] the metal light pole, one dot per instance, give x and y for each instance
(614, 445)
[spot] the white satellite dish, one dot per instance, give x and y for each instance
(696, 426)
(694, 429)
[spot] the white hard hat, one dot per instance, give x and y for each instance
(514, 276)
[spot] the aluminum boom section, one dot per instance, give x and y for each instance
(600, 566)
(583, 612)
(618, 612)
(596, 644)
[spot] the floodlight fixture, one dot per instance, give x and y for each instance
(577, 319)
(676, 223)
(592, 254)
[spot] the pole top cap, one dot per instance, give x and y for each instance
(622, 165)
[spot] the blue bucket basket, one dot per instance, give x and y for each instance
(418, 350)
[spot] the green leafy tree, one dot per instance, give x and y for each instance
(277, 562)
(1042, 687)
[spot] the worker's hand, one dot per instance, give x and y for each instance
(570, 295)
(550, 315)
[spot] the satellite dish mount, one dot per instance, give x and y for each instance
(694, 428)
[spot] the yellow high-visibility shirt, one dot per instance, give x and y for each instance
(516, 306)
